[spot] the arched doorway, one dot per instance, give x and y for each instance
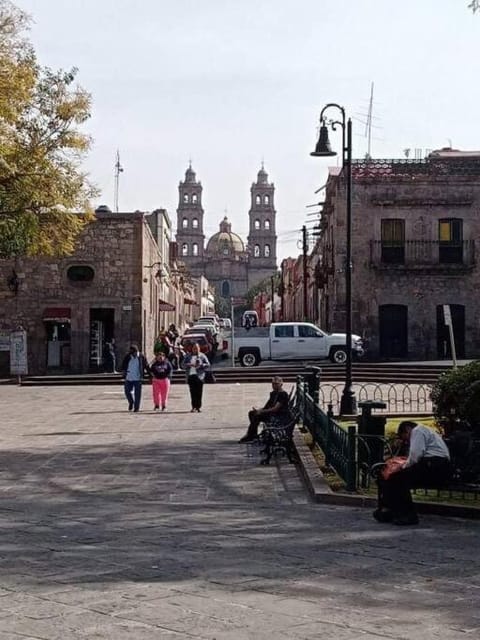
(393, 330)
(225, 289)
(444, 350)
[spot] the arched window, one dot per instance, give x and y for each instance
(267, 225)
(225, 289)
(185, 197)
(258, 200)
(256, 224)
(266, 251)
(195, 249)
(256, 251)
(184, 249)
(194, 198)
(266, 199)
(195, 223)
(185, 223)
(80, 273)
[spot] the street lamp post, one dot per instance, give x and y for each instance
(348, 403)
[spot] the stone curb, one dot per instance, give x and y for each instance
(320, 490)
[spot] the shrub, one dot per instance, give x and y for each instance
(456, 397)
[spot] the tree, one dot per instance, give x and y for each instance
(474, 5)
(44, 195)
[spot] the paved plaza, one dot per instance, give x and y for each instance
(149, 526)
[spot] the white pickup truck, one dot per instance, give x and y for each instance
(292, 341)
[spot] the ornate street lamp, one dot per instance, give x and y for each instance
(348, 404)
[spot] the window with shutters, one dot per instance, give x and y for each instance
(393, 240)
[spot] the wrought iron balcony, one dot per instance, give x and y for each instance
(422, 255)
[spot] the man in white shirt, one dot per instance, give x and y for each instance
(427, 465)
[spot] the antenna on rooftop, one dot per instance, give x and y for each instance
(367, 120)
(118, 171)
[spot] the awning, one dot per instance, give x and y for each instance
(165, 306)
(57, 314)
(189, 301)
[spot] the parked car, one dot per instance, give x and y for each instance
(189, 340)
(227, 323)
(292, 341)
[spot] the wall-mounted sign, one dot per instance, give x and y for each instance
(18, 353)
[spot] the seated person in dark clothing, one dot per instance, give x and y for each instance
(427, 465)
(275, 413)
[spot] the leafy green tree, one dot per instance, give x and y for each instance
(44, 195)
(456, 396)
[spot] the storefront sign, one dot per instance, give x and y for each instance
(18, 353)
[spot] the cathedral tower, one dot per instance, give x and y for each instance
(190, 237)
(262, 239)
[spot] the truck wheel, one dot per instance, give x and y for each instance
(338, 355)
(249, 359)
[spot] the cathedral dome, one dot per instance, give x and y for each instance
(225, 242)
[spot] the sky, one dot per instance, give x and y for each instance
(229, 83)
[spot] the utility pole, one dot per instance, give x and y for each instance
(272, 282)
(118, 171)
(305, 273)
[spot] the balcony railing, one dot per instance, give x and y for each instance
(422, 254)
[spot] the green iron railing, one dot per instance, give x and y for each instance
(338, 445)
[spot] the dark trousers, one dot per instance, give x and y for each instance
(394, 493)
(254, 420)
(133, 399)
(110, 363)
(196, 391)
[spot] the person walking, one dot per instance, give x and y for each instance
(134, 366)
(196, 364)
(109, 357)
(161, 371)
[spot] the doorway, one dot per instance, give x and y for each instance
(393, 330)
(102, 325)
(444, 349)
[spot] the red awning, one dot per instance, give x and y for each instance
(165, 306)
(57, 314)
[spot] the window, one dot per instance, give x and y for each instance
(256, 224)
(304, 331)
(185, 197)
(195, 249)
(256, 251)
(185, 223)
(266, 200)
(195, 223)
(258, 200)
(184, 249)
(393, 240)
(267, 225)
(284, 331)
(225, 289)
(266, 251)
(194, 198)
(450, 236)
(80, 273)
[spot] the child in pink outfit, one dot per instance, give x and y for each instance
(161, 370)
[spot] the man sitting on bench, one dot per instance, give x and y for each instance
(275, 413)
(427, 465)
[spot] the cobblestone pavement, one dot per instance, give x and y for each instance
(149, 526)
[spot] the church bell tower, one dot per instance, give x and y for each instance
(262, 239)
(190, 237)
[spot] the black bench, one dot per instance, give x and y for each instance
(279, 440)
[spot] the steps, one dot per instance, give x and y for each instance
(361, 372)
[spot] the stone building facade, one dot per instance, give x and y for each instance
(415, 230)
(230, 266)
(118, 284)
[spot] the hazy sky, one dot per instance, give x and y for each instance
(229, 82)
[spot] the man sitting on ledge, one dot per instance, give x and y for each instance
(274, 414)
(427, 465)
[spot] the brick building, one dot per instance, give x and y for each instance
(415, 224)
(119, 283)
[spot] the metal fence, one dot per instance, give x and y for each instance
(338, 445)
(399, 397)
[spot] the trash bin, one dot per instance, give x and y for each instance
(312, 378)
(373, 428)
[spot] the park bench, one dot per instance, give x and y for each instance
(279, 440)
(464, 450)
